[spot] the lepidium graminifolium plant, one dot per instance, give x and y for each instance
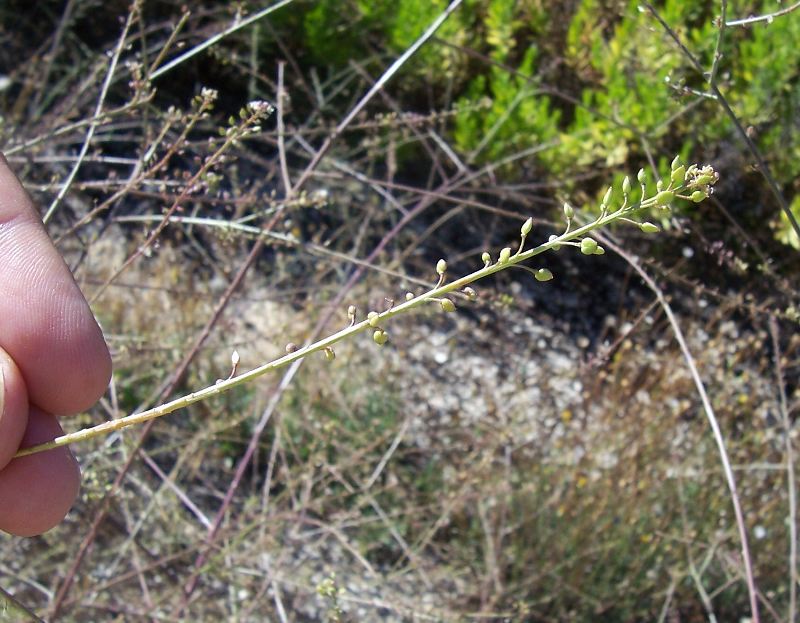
(692, 183)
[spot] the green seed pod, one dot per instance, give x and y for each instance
(526, 227)
(380, 337)
(543, 275)
(676, 162)
(486, 258)
(698, 196)
(441, 267)
(569, 212)
(626, 185)
(471, 294)
(505, 255)
(607, 196)
(447, 305)
(649, 228)
(588, 246)
(677, 176)
(642, 177)
(665, 197)
(373, 318)
(329, 354)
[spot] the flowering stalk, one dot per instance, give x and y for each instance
(693, 183)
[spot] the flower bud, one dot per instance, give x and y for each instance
(373, 318)
(641, 176)
(447, 305)
(486, 258)
(703, 180)
(290, 348)
(677, 176)
(526, 227)
(626, 185)
(505, 255)
(329, 354)
(649, 228)
(552, 238)
(235, 358)
(351, 311)
(471, 294)
(659, 185)
(698, 196)
(441, 267)
(380, 337)
(569, 212)
(676, 162)
(409, 296)
(665, 197)
(599, 251)
(543, 275)
(588, 246)
(607, 196)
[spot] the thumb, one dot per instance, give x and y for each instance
(13, 408)
(36, 491)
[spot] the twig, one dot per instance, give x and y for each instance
(751, 146)
(216, 38)
(712, 419)
(287, 182)
(134, 11)
(790, 475)
(769, 17)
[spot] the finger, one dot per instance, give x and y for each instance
(13, 408)
(45, 323)
(36, 491)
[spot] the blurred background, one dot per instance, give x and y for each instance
(541, 455)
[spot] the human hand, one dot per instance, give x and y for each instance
(53, 360)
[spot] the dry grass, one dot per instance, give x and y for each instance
(541, 456)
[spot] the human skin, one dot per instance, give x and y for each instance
(53, 360)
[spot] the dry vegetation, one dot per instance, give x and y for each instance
(543, 455)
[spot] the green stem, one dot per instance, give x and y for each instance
(327, 342)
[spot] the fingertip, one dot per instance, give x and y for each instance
(13, 408)
(37, 491)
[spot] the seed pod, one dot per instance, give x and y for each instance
(698, 196)
(543, 275)
(649, 228)
(441, 267)
(380, 337)
(677, 176)
(373, 318)
(588, 246)
(448, 305)
(665, 197)
(505, 255)
(526, 227)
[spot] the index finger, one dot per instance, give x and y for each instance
(45, 323)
